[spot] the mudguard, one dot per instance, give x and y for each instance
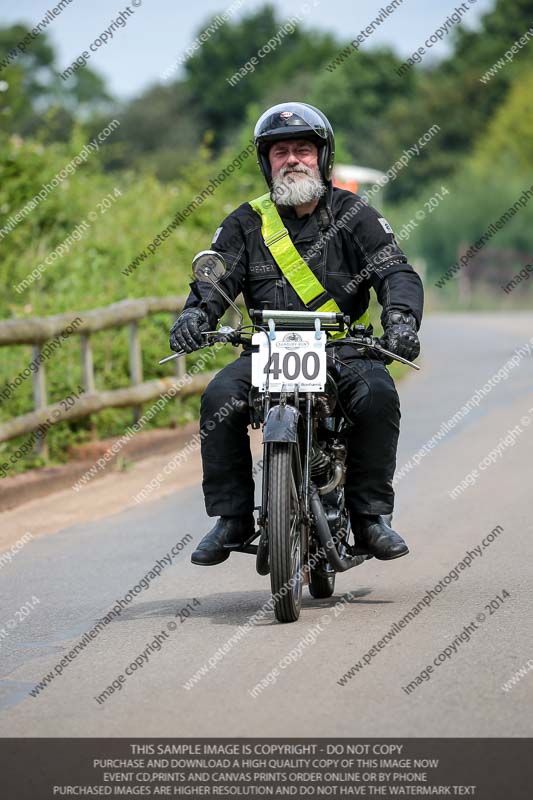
(281, 424)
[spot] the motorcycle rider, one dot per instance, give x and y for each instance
(347, 247)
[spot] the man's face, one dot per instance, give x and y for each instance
(289, 154)
(296, 178)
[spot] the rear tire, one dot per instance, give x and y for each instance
(285, 530)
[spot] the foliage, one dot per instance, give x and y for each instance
(356, 98)
(34, 100)
(89, 275)
(234, 45)
(473, 203)
(452, 95)
(508, 138)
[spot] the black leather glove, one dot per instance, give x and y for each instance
(186, 334)
(399, 334)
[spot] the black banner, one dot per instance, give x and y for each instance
(487, 769)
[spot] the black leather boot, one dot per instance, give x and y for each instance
(373, 535)
(228, 533)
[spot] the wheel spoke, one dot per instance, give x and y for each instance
(294, 492)
(294, 538)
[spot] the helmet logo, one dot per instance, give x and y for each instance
(286, 114)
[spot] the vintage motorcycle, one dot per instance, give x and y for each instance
(303, 525)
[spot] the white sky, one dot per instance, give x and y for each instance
(161, 30)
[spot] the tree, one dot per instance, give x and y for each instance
(33, 97)
(356, 98)
(159, 132)
(508, 140)
(221, 93)
(452, 95)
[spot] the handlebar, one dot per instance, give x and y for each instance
(296, 319)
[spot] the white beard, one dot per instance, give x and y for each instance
(288, 190)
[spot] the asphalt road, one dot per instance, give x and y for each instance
(69, 580)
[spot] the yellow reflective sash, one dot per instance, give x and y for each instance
(294, 268)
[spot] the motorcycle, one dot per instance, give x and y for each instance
(303, 526)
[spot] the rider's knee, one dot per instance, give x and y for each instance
(212, 396)
(376, 394)
(384, 397)
(219, 394)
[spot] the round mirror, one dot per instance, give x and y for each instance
(208, 265)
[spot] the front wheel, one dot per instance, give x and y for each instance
(285, 530)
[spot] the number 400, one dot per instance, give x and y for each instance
(291, 364)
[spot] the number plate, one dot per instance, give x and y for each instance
(297, 359)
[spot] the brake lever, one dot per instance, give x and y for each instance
(364, 342)
(173, 356)
(394, 357)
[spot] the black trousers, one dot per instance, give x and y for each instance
(366, 392)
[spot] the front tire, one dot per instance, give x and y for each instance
(285, 530)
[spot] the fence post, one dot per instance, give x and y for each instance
(465, 285)
(136, 364)
(87, 363)
(181, 366)
(39, 397)
(87, 367)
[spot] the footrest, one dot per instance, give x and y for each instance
(244, 547)
(251, 548)
(355, 550)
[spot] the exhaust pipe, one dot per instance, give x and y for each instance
(326, 539)
(338, 475)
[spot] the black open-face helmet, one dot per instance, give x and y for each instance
(294, 121)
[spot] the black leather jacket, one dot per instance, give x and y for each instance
(347, 244)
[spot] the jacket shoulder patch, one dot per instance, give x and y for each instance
(385, 225)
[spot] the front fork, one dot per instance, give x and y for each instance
(305, 507)
(262, 521)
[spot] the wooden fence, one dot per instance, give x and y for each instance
(40, 331)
